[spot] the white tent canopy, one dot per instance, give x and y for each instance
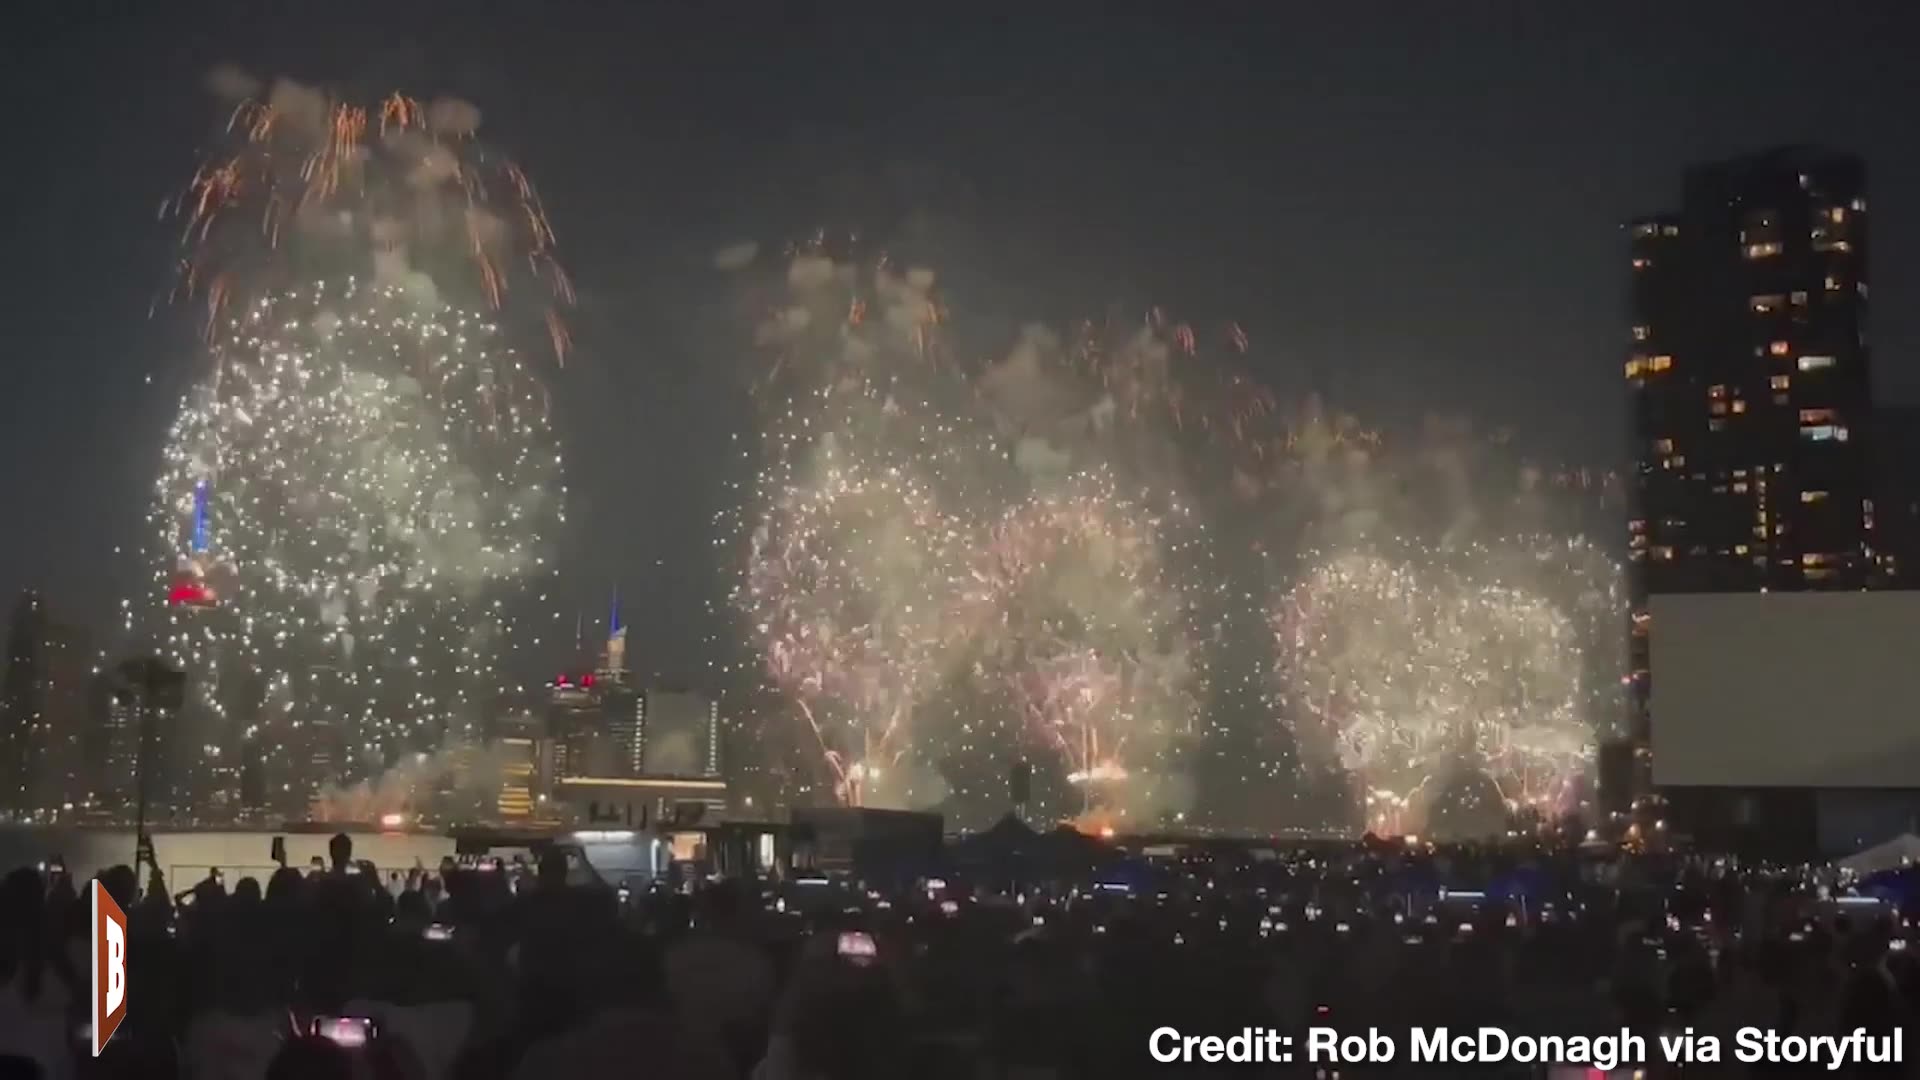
(1893, 854)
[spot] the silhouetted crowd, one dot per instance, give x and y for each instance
(493, 971)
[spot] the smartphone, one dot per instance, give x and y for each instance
(352, 1032)
(438, 932)
(858, 946)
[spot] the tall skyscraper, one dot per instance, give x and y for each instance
(1752, 415)
(1748, 369)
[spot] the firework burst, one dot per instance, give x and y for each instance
(852, 583)
(1092, 631)
(1099, 519)
(375, 494)
(1407, 672)
(399, 191)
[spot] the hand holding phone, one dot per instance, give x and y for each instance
(350, 1032)
(858, 946)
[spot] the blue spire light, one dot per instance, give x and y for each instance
(200, 518)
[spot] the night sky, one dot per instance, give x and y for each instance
(1408, 206)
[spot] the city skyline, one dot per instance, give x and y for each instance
(1303, 295)
(898, 369)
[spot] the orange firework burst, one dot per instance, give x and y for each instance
(305, 185)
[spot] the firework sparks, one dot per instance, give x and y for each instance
(401, 191)
(1403, 672)
(1093, 632)
(378, 493)
(1085, 532)
(852, 582)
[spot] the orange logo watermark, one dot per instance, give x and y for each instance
(109, 967)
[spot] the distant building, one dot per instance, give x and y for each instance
(1747, 364)
(605, 725)
(45, 696)
(679, 733)
(1896, 500)
(521, 780)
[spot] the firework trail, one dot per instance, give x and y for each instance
(381, 487)
(400, 191)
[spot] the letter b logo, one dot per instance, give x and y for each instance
(109, 966)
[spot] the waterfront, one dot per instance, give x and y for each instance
(185, 857)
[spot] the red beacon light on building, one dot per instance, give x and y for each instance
(192, 594)
(190, 590)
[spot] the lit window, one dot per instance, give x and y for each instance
(1740, 549)
(1739, 472)
(1739, 487)
(1836, 214)
(1833, 283)
(1659, 363)
(1798, 298)
(1646, 228)
(1780, 529)
(1716, 391)
(1739, 405)
(1663, 446)
(1859, 206)
(1761, 251)
(1718, 408)
(1867, 505)
(1670, 230)
(1642, 263)
(1861, 287)
(1717, 424)
(1816, 416)
(1816, 574)
(1815, 363)
(1636, 367)
(1781, 382)
(1637, 525)
(1760, 531)
(1663, 553)
(1813, 558)
(1818, 433)
(1812, 496)
(1641, 333)
(1766, 302)
(1780, 348)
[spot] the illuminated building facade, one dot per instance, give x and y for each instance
(1748, 369)
(1747, 366)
